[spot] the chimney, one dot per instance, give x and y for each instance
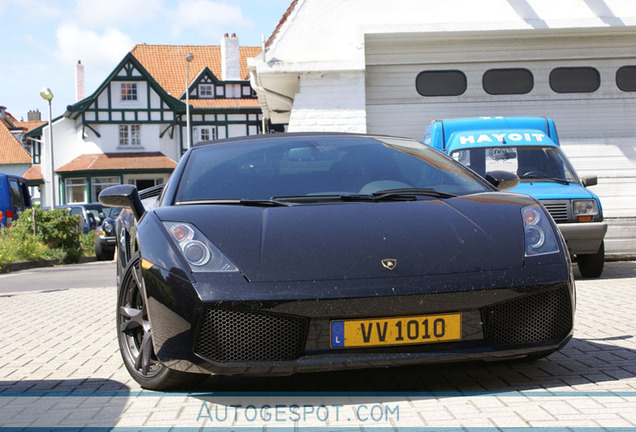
(230, 63)
(3, 112)
(79, 81)
(34, 115)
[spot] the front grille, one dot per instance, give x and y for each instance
(240, 336)
(558, 210)
(544, 316)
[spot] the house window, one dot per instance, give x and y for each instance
(207, 133)
(626, 78)
(37, 152)
(128, 91)
(441, 83)
(75, 190)
(575, 80)
(129, 135)
(100, 183)
(206, 90)
(232, 90)
(507, 81)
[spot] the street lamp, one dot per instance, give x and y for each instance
(188, 58)
(47, 95)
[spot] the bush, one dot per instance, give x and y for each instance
(57, 229)
(88, 243)
(16, 245)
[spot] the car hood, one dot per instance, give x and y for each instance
(343, 240)
(544, 190)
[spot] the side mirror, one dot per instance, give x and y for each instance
(502, 180)
(125, 196)
(589, 181)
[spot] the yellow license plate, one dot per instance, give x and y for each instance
(396, 331)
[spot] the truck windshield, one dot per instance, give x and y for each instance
(529, 163)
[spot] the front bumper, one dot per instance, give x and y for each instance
(107, 243)
(583, 238)
(224, 325)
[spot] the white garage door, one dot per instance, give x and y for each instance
(585, 79)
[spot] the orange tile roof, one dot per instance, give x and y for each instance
(118, 161)
(34, 173)
(167, 64)
(30, 124)
(225, 103)
(11, 150)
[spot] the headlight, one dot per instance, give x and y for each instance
(587, 207)
(200, 253)
(539, 235)
(107, 226)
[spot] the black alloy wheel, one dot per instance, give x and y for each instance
(134, 335)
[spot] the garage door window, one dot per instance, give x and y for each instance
(626, 78)
(441, 83)
(575, 80)
(507, 81)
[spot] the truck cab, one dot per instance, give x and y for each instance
(529, 147)
(14, 198)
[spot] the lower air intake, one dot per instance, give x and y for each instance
(544, 316)
(240, 336)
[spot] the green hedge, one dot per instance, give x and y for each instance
(55, 234)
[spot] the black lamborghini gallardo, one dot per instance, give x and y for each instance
(304, 252)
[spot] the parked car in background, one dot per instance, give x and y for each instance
(277, 254)
(90, 214)
(529, 147)
(14, 198)
(105, 241)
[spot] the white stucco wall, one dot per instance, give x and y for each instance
(14, 169)
(334, 30)
(329, 102)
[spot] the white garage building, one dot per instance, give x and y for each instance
(392, 67)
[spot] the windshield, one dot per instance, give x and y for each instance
(529, 163)
(305, 166)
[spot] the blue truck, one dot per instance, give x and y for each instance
(529, 148)
(14, 198)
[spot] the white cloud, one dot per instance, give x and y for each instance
(120, 13)
(92, 48)
(209, 18)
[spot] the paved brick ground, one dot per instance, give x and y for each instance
(60, 367)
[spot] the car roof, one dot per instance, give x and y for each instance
(296, 135)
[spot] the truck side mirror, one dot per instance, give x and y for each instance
(589, 181)
(502, 180)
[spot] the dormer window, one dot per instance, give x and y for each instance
(128, 91)
(206, 90)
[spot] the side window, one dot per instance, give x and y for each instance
(16, 195)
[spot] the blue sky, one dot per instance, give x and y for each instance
(42, 40)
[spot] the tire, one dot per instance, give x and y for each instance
(135, 336)
(591, 266)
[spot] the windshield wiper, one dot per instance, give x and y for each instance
(409, 194)
(244, 202)
(390, 194)
(552, 179)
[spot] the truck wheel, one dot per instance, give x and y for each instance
(591, 266)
